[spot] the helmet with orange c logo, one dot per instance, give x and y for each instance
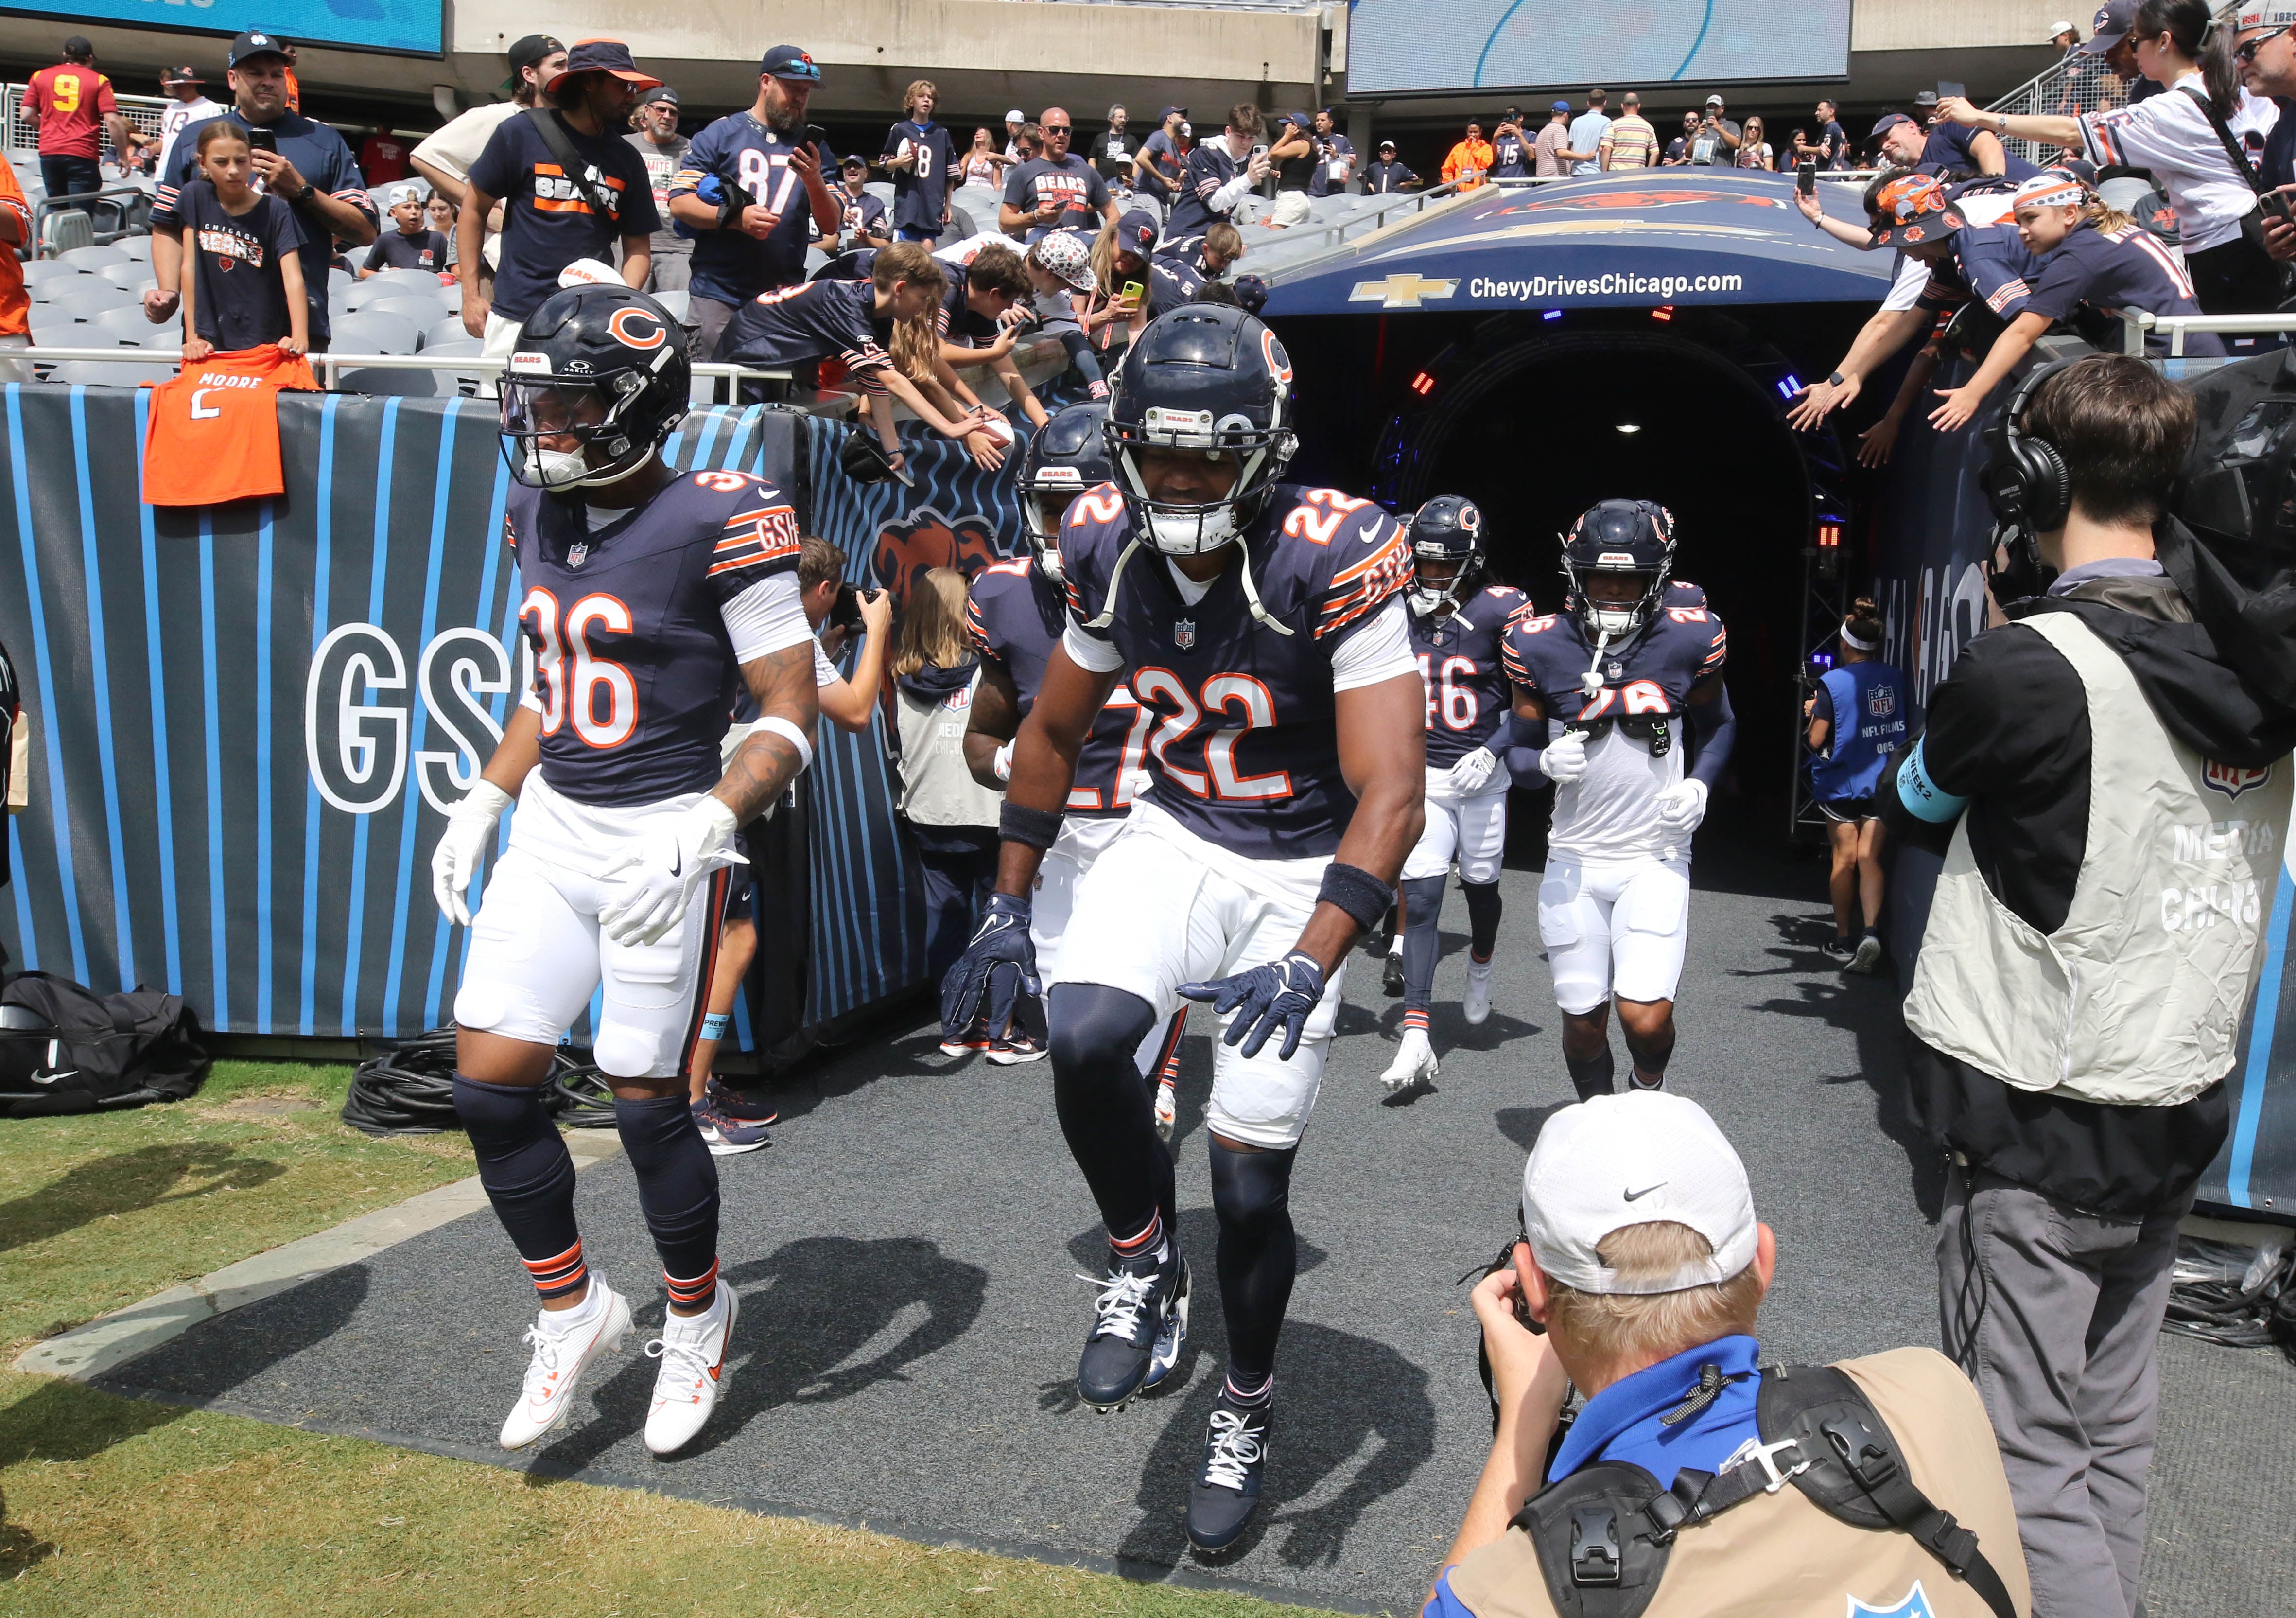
(599, 377)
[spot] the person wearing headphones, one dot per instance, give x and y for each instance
(1854, 721)
(2107, 778)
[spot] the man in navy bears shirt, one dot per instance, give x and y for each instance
(1457, 625)
(1627, 683)
(649, 595)
(861, 217)
(1261, 624)
(1057, 190)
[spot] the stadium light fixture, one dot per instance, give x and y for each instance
(1631, 426)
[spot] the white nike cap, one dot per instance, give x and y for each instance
(1634, 1159)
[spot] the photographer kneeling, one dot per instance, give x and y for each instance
(1669, 1495)
(2107, 788)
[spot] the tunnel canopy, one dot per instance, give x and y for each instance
(1658, 236)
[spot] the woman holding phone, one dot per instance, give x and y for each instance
(1119, 272)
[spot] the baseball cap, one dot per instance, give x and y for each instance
(1560, 106)
(1067, 256)
(404, 194)
(1387, 146)
(1136, 232)
(2056, 28)
(1636, 1159)
(530, 52)
(2281, 14)
(1016, 117)
(601, 56)
(660, 92)
(1167, 112)
(254, 43)
(2111, 22)
(1714, 101)
(1914, 208)
(80, 44)
(1887, 122)
(1250, 292)
(791, 63)
(1925, 99)
(184, 75)
(853, 160)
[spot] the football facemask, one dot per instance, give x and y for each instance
(561, 434)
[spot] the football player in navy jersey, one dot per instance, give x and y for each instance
(1260, 625)
(1457, 625)
(649, 595)
(1616, 679)
(1018, 612)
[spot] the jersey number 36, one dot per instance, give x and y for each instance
(599, 696)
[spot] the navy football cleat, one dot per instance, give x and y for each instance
(1225, 1491)
(1140, 1326)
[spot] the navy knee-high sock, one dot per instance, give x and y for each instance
(1258, 1254)
(1105, 1112)
(1483, 918)
(677, 1187)
(529, 1178)
(1422, 907)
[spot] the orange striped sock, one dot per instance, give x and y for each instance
(1414, 1019)
(554, 1278)
(694, 1296)
(1148, 1241)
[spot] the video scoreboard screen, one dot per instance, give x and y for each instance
(415, 26)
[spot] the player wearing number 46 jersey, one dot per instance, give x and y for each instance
(1616, 679)
(1017, 613)
(1260, 624)
(649, 594)
(1457, 622)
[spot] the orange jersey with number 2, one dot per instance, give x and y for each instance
(214, 432)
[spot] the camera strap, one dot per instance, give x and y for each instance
(552, 128)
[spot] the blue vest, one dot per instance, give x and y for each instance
(1869, 728)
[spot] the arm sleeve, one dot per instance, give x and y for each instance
(700, 154)
(1521, 742)
(768, 617)
(1912, 280)
(1087, 653)
(1714, 728)
(1377, 650)
(824, 672)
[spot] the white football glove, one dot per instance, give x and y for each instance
(1004, 760)
(662, 872)
(1565, 757)
(470, 827)
(1682, 806)
(1473, 773)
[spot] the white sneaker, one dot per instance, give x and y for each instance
(561, 1353)
(1414, 1063)
(1477, 1004)
(1168, 1110)
(691, 1349)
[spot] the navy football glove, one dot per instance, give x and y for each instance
(998, 967)
(1280, 994)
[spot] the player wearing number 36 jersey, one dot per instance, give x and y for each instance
(1261, 624)
(647, 593)
(1629, 683)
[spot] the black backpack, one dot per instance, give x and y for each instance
(111, 1051)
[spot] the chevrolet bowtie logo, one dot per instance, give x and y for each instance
(1404, 290)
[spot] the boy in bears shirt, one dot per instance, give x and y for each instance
(413, 245)
(242, 279)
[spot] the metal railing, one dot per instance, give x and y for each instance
(2135, 324)
(2071, 87)
(142, 113)
(331, 367)
(127, 206)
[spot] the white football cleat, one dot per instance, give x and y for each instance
(1414, 1064)
(561, 1355)
(691, 1349)
(1478, 1006)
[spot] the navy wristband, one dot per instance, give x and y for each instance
(1355, 891)
(1038, 828)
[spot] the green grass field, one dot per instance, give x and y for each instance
(112, 1506)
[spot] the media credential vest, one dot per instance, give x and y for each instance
(2136, 999)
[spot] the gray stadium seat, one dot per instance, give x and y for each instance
(131, 328)
(136, 247)
(49, 272)
(339, 281)
(420, 313)
(90, 259)
(62, 234)
(813, 260)
(362, 334)
(88, 301)
(374, 379)
(679, 303)
(48, 317)
(134, 276)
(421, 280)
(104, 374)
(448, 330)
(373, 291)
(464, 382)
(883, 189)
(961, 223)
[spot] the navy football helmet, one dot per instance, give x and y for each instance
(1446, 534)
(1067, 455)
(1618, 537)
(1206, 377)
(603, 368)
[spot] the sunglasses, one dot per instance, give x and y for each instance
(1054, 128)
(2247, 53)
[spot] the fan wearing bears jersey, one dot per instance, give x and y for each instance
(648, 595)
(1260, 625)
(1627, 681)
(1457, 625)
(1018, 612)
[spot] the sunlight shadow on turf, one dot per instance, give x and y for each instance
(127, 1182)
(61, 1422)
(1521, 1125)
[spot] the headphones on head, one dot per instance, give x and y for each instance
(2031, 492)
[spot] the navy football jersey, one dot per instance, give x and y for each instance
(633, 670)
(1460, 658)
(1016, 616)
(2111, 270)
(1244, 748)
(732, 265)
(791, 326)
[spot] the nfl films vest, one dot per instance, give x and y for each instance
(2136, 999)
(1779, 1554)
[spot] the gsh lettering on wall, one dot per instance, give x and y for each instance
(360, 719)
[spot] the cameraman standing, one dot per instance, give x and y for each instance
(2108, 791)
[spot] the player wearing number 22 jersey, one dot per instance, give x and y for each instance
(1261, 624)
(1457, 622)
(1628, 682)
(646, 594)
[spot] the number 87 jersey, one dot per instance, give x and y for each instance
(634, 667)
(1242, 673)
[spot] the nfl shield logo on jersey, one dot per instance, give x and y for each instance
(1914, 1604)
(2233, 780)
(1184, 634)
(1881, 700)
(578, 552)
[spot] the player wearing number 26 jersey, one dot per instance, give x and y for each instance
(1630, 686)
(647, 593)
(1457, 623)
(1261, 624)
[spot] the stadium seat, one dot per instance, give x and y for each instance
(360, 294)
(104, 374)
(130, 328)
(451, 383)
(136, 247)
(375, 379)
(339, 281)
(87, 302)
(883, 189)
(48, 272)
(90, 259)
(679, 303)
(64, 233)
(961, 223)
(421, 280)
(421, 313)
(49, 317)
(813, 260)
(448, 330)
(362, 334)
(135, 275)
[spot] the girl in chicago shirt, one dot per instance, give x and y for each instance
(242, 281)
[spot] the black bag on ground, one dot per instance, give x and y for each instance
(113, 1051)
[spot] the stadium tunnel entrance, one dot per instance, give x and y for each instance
(1535, 418)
